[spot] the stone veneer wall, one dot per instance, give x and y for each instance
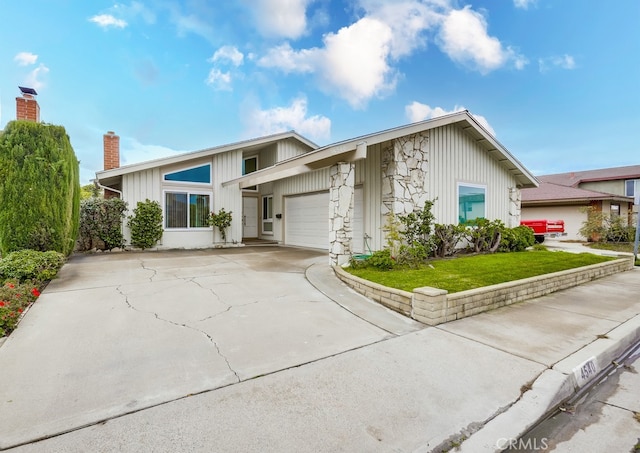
(404, 174)
(515, 206)
(434, 306)
(341, 200)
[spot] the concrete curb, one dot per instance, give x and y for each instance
(552, 388)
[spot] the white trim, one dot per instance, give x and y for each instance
(267, 220)
(188, 193)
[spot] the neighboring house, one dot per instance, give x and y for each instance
(337, 197)
(565, 196)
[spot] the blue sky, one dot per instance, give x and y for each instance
(557, 81)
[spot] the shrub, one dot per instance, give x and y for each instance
(381, 259)
(447, 238)
(14, 299)
(418, 227)
(484, 235)
(221, 220)
(146, 224)
(412, 255)
(516, 239)
(101, 223)
(39, 188)
(31, 265)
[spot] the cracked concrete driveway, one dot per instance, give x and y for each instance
(116, 333)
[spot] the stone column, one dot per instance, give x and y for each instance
(515, 203)
(341, 201)
(404, 175)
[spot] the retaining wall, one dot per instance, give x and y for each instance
(434, 306)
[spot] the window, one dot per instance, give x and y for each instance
(630, 187)
(615, 210)
(199, 175)
(471, 202)
(187, 210)
(249, 165)
(267, 214)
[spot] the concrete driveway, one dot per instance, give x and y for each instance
(116, 333)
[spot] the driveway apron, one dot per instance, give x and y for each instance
(115, 333)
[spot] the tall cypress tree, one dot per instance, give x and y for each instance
(39, 188)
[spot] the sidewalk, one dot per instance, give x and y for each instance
(472, 382)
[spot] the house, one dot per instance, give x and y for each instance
(565, 196)
(286, 189)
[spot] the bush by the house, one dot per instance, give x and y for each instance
(447, 238)
(146, 224)
(31, 265)
(484, 235)
(381, 259)
(39, 188)
(221, 220)
(101, 223)
(516, 239)
(601, 227)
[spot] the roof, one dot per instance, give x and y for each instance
(551, 193)
(355, 148)
(255, 143)
(573, 179)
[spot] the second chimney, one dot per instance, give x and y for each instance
(27, 107)
(111, 144)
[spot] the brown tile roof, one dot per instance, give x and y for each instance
(548, 191)
(573, 179)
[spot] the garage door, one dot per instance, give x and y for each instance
(307, 220)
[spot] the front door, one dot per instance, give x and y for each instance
(249, 217)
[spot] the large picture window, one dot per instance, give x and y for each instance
(471, 202)
(267, 214)
(187, 210)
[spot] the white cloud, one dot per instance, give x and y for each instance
(34, 78)
(524, 4)
(219, 80)
(25, 58)
(107, 20)
(563, 62)
(280, 18)
(282, 119)
(228, 53)
(133, 152)
(352, 62)
(465, 39)
(417, 111)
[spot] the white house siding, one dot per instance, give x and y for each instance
(455, 158)
(227, 166)
(369, 176)
(572, 216)
(290, 148)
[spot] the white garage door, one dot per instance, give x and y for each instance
(307, 220)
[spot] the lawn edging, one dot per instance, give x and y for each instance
(433, 306)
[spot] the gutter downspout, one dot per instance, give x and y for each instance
(96, 183)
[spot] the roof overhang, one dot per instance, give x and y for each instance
(577, 201)
(247, 145)
(355, 149)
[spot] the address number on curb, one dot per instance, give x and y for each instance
(585, 371)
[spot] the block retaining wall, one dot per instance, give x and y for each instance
(434, 306)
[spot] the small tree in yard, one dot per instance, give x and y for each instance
(146, 224)
(101, 223)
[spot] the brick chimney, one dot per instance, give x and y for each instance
(27, 107)
(111, 144)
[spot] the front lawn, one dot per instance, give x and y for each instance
(461, 274)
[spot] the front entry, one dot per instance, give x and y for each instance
(249, 217)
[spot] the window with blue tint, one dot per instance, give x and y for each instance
(201, 175)
(471, 202)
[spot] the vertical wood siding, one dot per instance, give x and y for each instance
(290, 148)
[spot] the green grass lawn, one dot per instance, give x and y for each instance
(468, 272)
(614, 246)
